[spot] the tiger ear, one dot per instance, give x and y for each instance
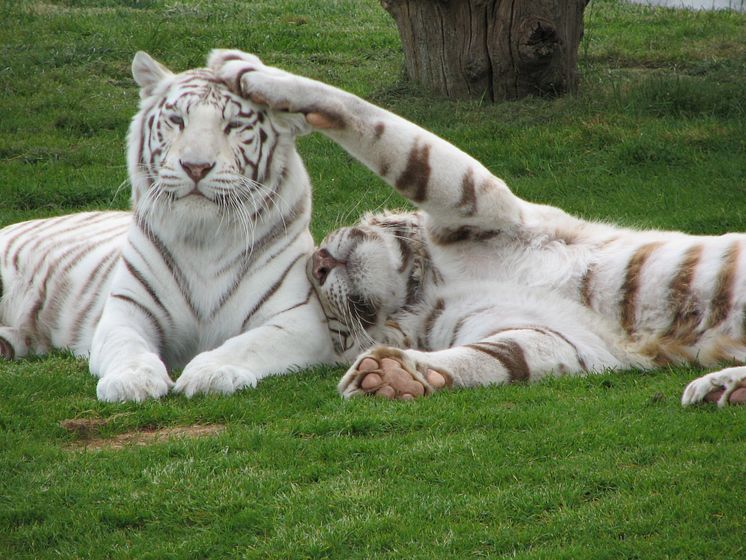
(148, 73)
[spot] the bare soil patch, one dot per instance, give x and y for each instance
(87, 431)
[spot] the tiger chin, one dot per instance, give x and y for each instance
(206, 273)
(479, 287)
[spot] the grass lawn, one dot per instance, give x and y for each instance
(608, 466)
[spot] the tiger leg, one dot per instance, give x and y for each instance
(727, 386)
(288, 340)
(513, 355)
(432, 173)
(125, 353)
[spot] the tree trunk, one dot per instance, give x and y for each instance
(491, 49)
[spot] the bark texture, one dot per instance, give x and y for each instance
(491, 49)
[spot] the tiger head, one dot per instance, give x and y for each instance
(201, 152)
(365, 275)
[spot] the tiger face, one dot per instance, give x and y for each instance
(366, 274)
(196, 146)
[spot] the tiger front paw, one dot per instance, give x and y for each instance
(277, 89)
(208, 374)
(727, 386)
(145, 379)
(389, 373)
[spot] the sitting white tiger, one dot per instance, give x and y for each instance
(481, 287)
(208, 272)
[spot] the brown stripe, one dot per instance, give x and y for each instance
(150, 316)
(631, 286)
(378, 130)
(168, 259)
(145, 284)
(449, 236)
(269, 293)
(468, 202)
(413, 181)
(56, 297)
(20, 231)
(297, 305)
(72, 223)
(251, 257)
(427, 325)
(509, 354)
(722, 299)
(687, 313)
(546, 331)
(74, 253)
(456, 331)
(586, 290)
(103, 270)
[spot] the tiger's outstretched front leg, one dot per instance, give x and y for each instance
(435, 175)
(521, 354)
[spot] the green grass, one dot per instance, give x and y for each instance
(603, 467)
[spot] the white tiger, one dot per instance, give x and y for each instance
(208, 272)
(480, 287)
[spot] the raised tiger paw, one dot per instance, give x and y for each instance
(727, 386)
(145, 379)
(391, 374)
(279, 90)
(205, 374)
(230, 65)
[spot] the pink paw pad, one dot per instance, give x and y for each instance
(736, 397)
(390, 379)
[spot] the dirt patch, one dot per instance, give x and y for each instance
(87, 431)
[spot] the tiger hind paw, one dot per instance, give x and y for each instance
(727, 386)
(388, 373)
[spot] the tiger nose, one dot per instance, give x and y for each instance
(323, 263)
(196, 171)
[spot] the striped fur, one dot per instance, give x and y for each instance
(488, 288)
(206, 273)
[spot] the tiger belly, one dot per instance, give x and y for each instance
(467, 312)
(56, 273)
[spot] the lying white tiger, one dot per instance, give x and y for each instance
(481, 287)
(209, 270)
